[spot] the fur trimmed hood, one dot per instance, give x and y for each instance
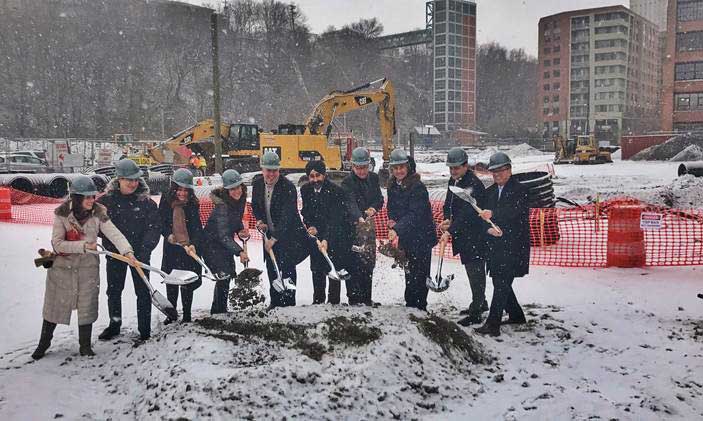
(142, 192)
(99, 211)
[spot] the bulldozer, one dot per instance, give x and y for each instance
(244, 144)
(295, 144)
(581, 150)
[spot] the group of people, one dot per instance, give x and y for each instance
(337, 221)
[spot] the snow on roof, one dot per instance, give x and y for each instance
(431, 130)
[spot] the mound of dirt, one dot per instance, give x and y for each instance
(668, 149)
(302, 362)
(691, 153)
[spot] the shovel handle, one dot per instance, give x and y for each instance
(479, 211)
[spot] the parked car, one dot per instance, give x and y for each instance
(14, 163)
(36, 154)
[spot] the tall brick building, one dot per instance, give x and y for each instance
(453, 26)
(682, 73)
(598, 73)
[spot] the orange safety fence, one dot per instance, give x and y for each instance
(595, 235)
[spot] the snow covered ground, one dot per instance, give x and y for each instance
(600, 344)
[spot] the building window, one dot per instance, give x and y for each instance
(545, 87)
(689, 41)
(689, 71)
(546, 75)
(547, 50)
(688, 10)
(688, 102)
(556, 73)
(547, 63)
(557, 48)
(556, 61)
(555, 86)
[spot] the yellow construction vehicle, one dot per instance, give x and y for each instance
(584, 149)
(243, 145)
(296, 144)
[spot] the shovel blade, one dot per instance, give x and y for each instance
(180, 277)
(344, 275)
(463, 194)
(289, 285)
(277, 284)
(164, 305)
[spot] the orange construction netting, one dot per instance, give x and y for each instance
(595, 235)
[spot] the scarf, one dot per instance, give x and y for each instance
(180, 229)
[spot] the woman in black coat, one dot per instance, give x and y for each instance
(224, 223)
(179, 211)
(410, 220)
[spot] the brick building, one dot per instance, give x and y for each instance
(682, 73)
(598, 73)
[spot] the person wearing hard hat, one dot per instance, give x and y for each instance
(506, 204)
(411, 223)
(73, 280)
(130, 207)
(274, 203)
(181, 228)
(325, 212)
(365, 201)
(224, 223)
(202, 164)
(466, 229)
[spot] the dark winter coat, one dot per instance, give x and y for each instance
(508, 255)
(288, 230)
(409, 206)
(73, 281)
(135, 215)
(364, 194)
(174, 255)
(224, 223)
(328, 211)
(467, 228)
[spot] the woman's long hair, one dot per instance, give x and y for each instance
(77, 207)
(240, 204)
(171, 195)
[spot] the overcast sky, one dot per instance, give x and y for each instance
(512, 23)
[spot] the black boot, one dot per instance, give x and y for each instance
(84, 334)
(114, 309)
(47, 333)
(187, 301)
(471, 319)
(488, 329)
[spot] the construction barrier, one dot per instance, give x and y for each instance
(5, 204)
(618, 232)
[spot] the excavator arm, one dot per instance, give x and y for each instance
(337, 103)
(196, 138)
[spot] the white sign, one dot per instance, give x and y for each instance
(651, 220)
(104, 157)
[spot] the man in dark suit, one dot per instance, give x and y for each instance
(325, 213)
(506, 204)
(365, 200)
(274, 203)
(466, 229)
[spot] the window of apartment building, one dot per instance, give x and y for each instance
(545, 87)
(688, 102)
(545, 100)
(689, 71)
(556, 61)
(557, 48)
(611, 30)
(610, 16)
(555, 110)
(689, 41)
(555, 98)
(688, 10)
(547, 63)
(547, 50)
(556, 86)
(556, 73)
(545, 111)
(546, 75)
(611, 43)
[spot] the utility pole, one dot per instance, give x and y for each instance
(216, 93)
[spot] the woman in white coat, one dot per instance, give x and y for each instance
(73, 280)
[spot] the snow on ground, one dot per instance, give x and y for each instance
(609, 344)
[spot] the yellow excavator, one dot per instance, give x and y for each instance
(582, 150)
(296, 144)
